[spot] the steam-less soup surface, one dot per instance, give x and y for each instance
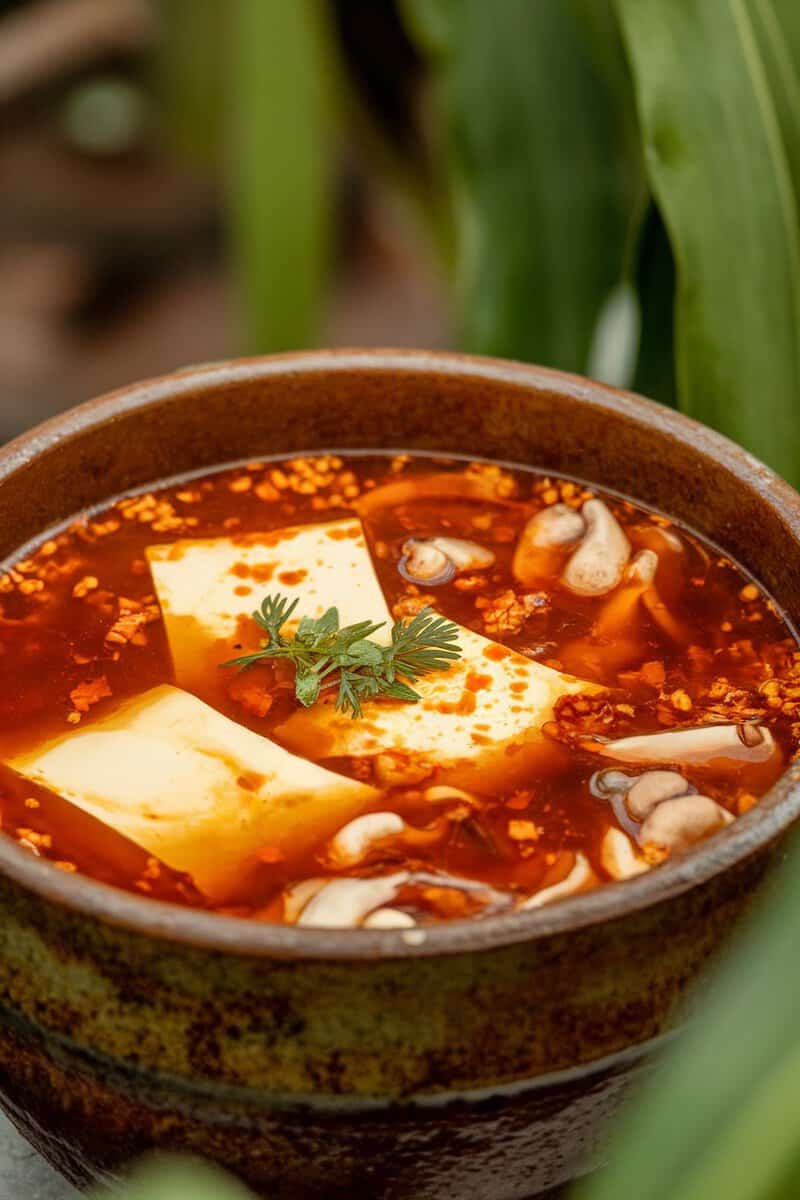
(612, 690)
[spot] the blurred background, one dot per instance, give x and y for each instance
(606, 186)
(127, 194)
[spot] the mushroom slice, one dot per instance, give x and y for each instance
(463, 554)
(619, 857)
(423, 562)
(597, 565)
(543, 541)
(651, 789)
(389, 918)
(344, 903)
(743, 743)
(616, 621)
(354, 840)
(297, 897)
(436, 560)
(579, 879)
(678, 824)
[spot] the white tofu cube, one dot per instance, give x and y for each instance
(193, 788)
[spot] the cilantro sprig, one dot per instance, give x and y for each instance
(323, 653)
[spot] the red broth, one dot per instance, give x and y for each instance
(684, 640)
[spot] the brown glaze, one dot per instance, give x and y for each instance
(481, 1062)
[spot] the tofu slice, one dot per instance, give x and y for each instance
(208, 588)
(478, 724)
(193, 788)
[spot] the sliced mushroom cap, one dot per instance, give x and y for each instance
(619, 857)
(579, 879)
(344, 903)
(436, 560)
(551, 530)
(643, 568)
(423, 562)
(676, 825)
(596, 567)
(463, 554)
(389, 918)
(745, 743)
(355, 839)
(652, 789)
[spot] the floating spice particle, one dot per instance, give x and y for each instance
(64, 865)
(523, 831)
(266, 491)
(92, 691)
(242, 484)
(130, 621)
(726, 627)
(73, 717)
(681, 700)
(749, 593)
(42, 841)
(28, 587)
(104, 528)
(31, 802)
(745, 802)
(88, 584)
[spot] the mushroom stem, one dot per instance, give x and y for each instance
(597, 565)
(619, 857)
(356, 839)
(678, 824)
(389, 918)
(344, 903)
(544, 541)
(741, 743)
(579, 879)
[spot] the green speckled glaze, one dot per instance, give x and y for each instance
(482, 1062)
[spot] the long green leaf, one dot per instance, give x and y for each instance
(279, 169)
(720, 1121)
(539, 211)
(717, 161)
(177, 1179)
(777, 24)
(191, 75)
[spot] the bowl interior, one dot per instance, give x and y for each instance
(362, 400)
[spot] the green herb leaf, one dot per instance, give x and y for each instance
(306, 688)
(320, 648)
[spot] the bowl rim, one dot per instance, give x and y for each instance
(742, 839)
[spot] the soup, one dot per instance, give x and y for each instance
(382, 691)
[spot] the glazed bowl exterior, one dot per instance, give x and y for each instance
(479, 1060)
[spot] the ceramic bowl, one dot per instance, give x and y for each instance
(480, 1060)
